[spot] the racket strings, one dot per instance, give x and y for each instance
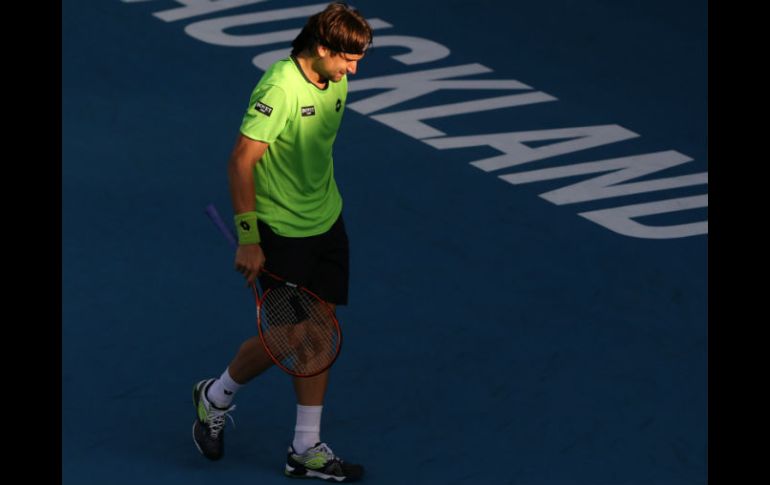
(299, 330)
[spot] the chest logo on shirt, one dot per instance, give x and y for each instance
(263, 108)
(339, 104)
(308, 111)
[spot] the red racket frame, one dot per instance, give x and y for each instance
(328, 307)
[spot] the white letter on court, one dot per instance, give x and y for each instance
(403, 87)
(619, 219)
(194, 8)
(609, 185)
(212, 31)
(421, 50)
(410, 122)
(516, 152)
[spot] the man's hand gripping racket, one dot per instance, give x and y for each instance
(297, 328)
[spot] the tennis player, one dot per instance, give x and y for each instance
(288, 216)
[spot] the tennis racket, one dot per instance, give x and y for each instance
(297, 328)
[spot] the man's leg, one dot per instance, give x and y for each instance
(212, 397)
(308, 455)
(310, 393)
(250, 361)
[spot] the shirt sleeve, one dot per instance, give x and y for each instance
(267, 114)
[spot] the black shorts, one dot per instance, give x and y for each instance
(319, 263)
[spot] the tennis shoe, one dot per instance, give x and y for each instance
(209, 427)
(321, 462)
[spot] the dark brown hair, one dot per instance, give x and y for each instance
(340, 28)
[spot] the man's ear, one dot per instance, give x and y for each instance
(322, 51)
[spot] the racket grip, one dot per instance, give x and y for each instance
(213, 214)
(211, 211)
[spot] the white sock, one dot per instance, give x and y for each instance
(307, 432)
(222, 391)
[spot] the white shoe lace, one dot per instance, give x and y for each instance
(324, 448)
(216, 419)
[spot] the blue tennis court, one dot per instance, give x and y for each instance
(525, 191)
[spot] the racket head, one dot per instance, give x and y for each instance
(298, 329)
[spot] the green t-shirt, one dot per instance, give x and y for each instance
(296, 193)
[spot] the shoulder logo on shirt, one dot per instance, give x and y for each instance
(339, 104)
(308, 111)
(263, 108)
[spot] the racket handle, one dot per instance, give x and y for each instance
(211, 211)
(213, 214)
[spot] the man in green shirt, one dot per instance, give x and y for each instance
(288, 214)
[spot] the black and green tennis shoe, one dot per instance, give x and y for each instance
(209, 427)
(321, 462)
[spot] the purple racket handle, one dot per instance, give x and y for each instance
(213, 214)
(211, 211)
